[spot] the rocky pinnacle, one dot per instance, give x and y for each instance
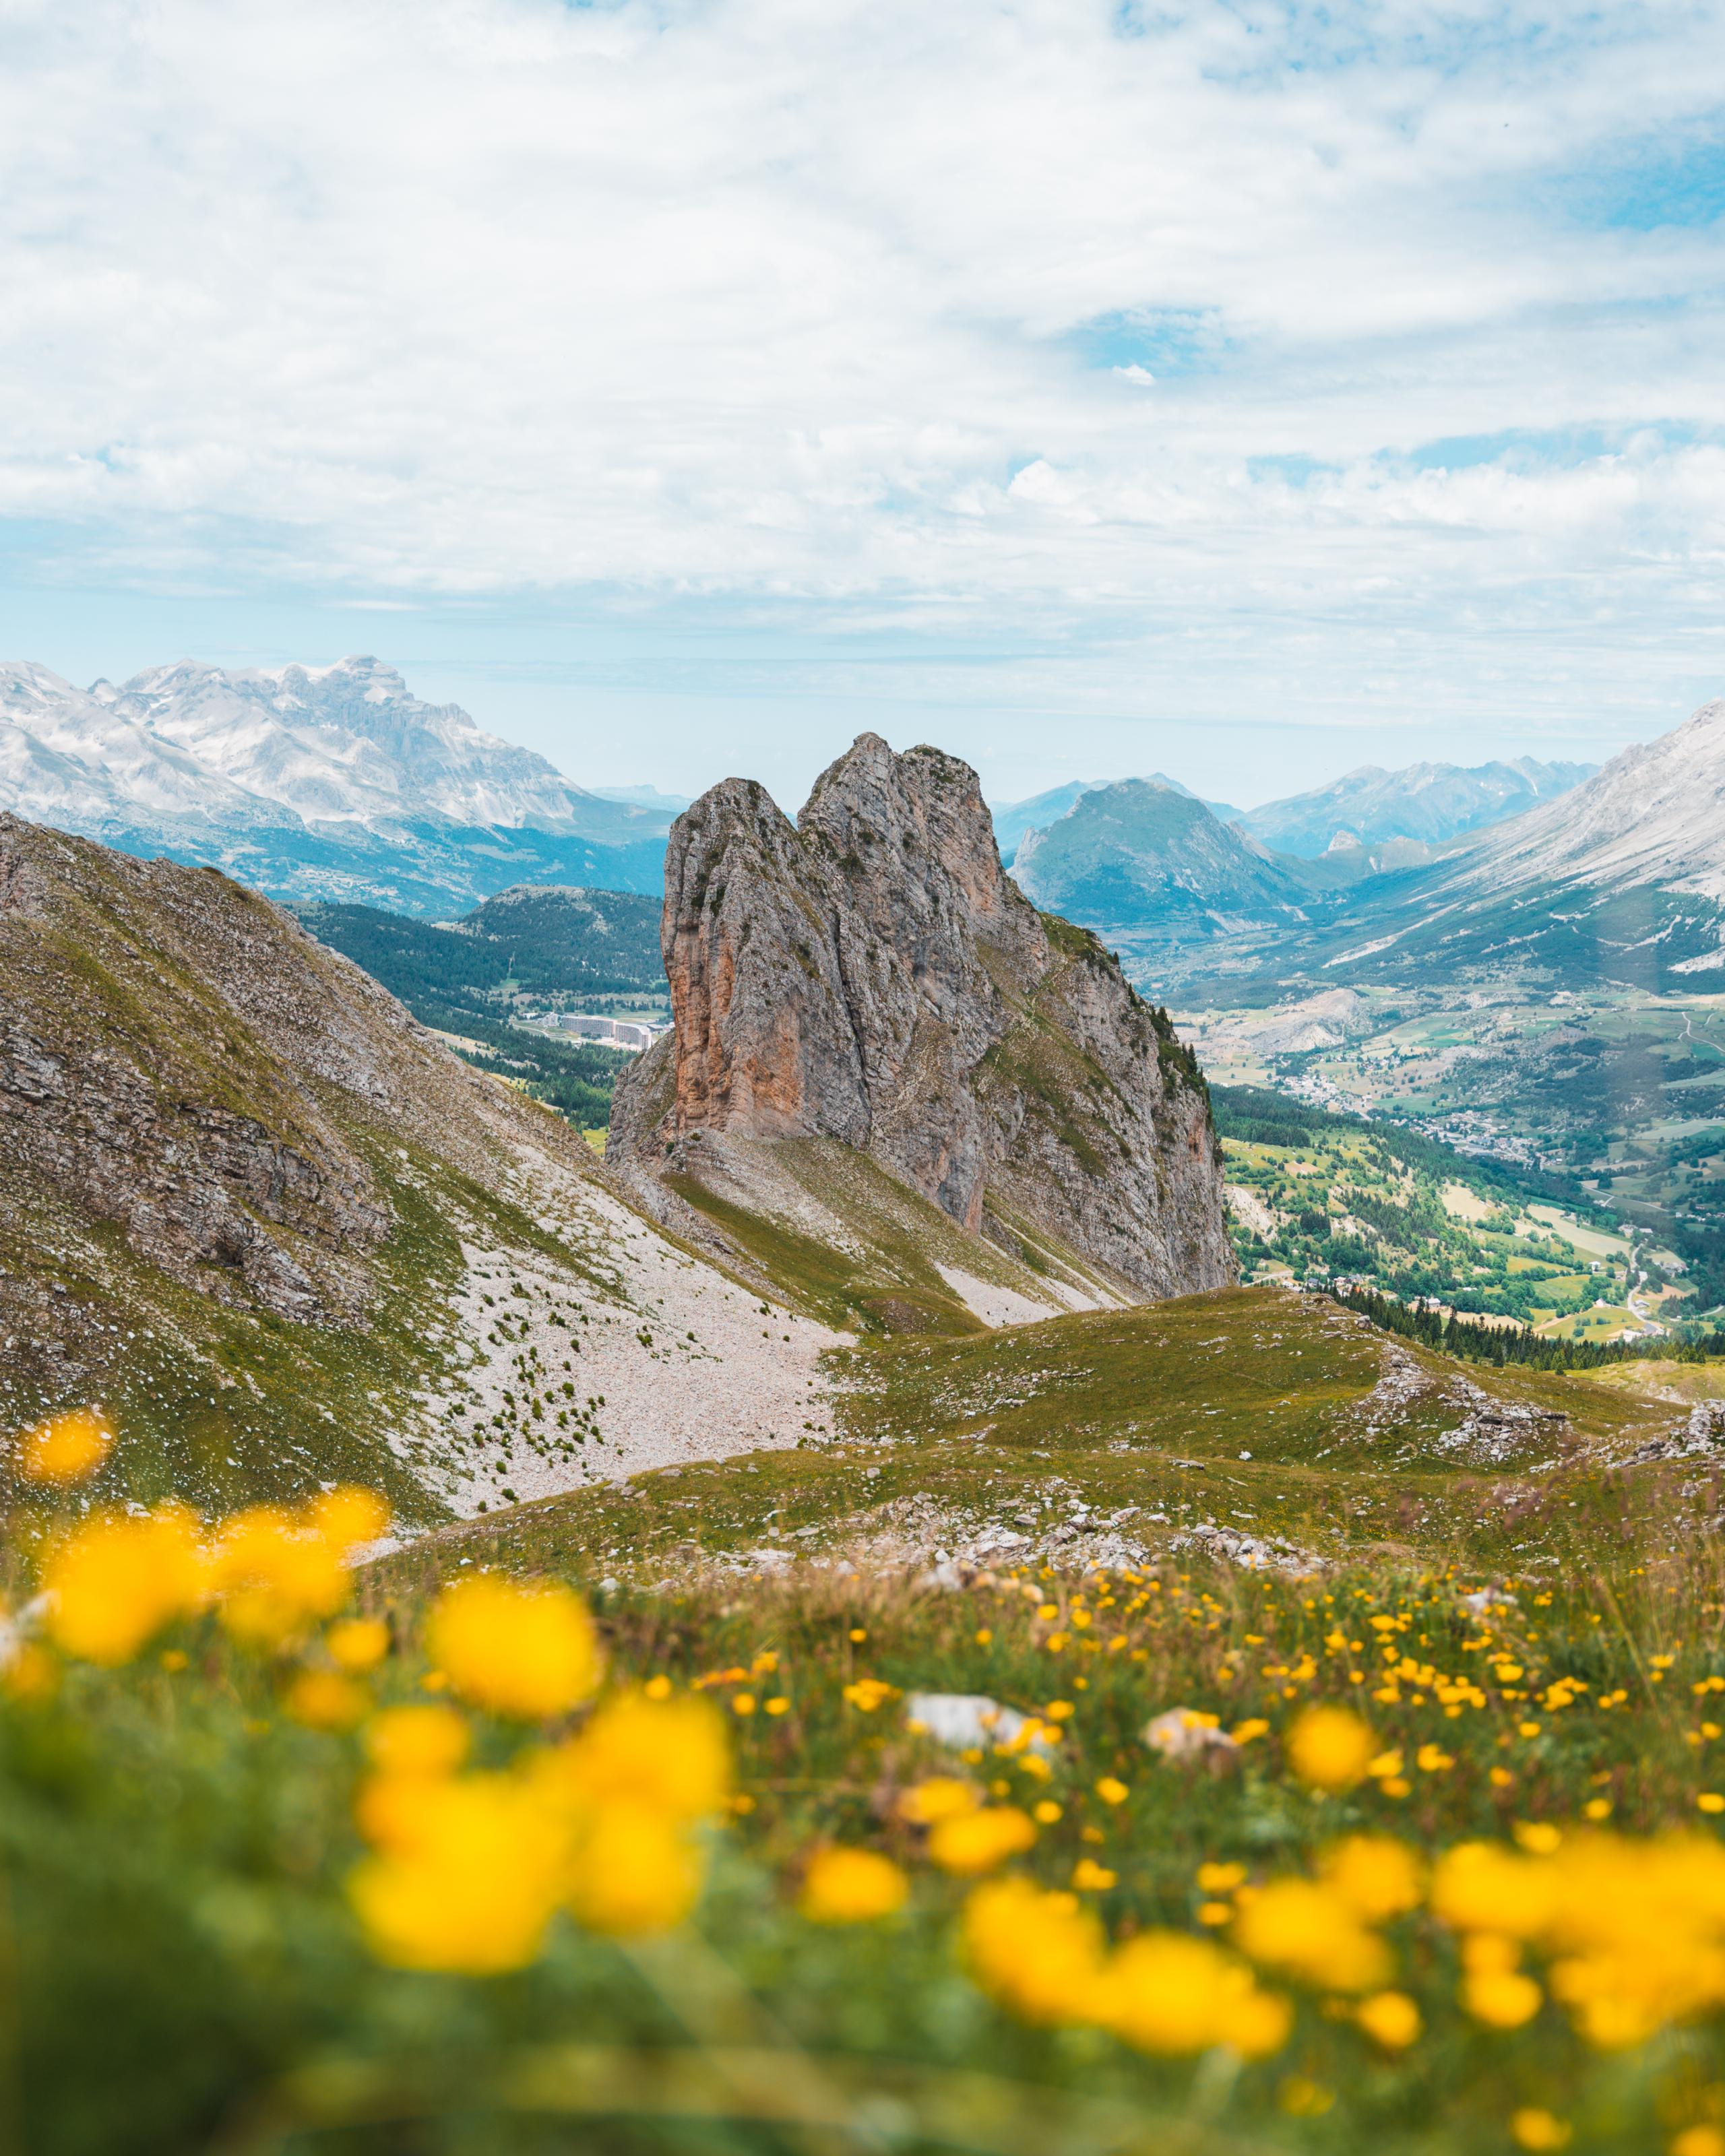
(871, 974)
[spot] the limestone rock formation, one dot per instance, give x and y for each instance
(870, 974)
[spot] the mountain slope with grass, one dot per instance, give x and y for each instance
(286, 1236)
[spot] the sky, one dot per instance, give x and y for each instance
(1245, 391)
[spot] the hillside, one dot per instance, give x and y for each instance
(329, 782)
(868, 979)
(288, 1237)
(1153, 871)
(1014, 819)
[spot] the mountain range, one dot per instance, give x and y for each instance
(1427, 802)
(1014, 818)
(330, 782)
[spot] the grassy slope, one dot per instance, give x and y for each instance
(1151, 1408)
(878, 1270)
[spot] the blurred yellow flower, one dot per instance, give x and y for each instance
(1038, 1953)
(636, 1871)
(1166, 1992)
(1329, 1748)
(972, 1841)
(1532, 2128)
(1698, 2141)
(1312, 1931)
(348, 1517)
(529, 1651)
(1089, 1877)
(851, 1887)
(1112, 1791)
(274, 1574)
(1480, 1885)
(471, 1877)
(943, 1796)
(67, 1447)
(357, 1642)
(1389, 2017)
(324, 1699)
(1377, 1877)
(120, 1578)
(670, 1756)
(417, 1740)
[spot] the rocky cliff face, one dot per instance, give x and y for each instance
(870, 974)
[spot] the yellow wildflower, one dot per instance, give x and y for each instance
(323, 1699)
(470, 1880)
(943, 1796)
(357, 1642)
(1039, 1954)
(67, 1447)
(1165, 1992)
(1329, 1748)
(275, 1572)
(1389, 2017)
(1314, 1933)
(120, 1578)
(528, 1651)
(636, 1871)
(1533, 2127)
(1377, 1877)
(972, 1841)
(1089, 1877)
(851, 1887)
(1112, 1791)
(417, 1740)
(667, 1755)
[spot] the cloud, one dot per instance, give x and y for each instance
(858, 309)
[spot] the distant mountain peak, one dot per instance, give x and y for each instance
(314, 781)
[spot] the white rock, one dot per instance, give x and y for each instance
(969, 1721)
(1185, 1732)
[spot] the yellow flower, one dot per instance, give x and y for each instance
(1480, 1886)
(529, 1651)
(972, 1841)
(868, 1693)
(348, 1517)
(1389, 2017)
(357, 1642)
(67, 1447)
(1314, 1933)
(273, 1572)
(1168, 1993)
(1433, 1760)
(1330, 1748)
(1112, 1792)
(1089, 1877)
(1698, 2141)
(1500, 1997)
(470, 1880)
(1377, 1877)
(1710, 1800)
(668, 1756)
(851, 1887)
(417, 1740)
(120, 1578)
(1047, 1813)
(943, 1796)
(322, 1699)
(1535, 2128)
(1039, 1954)
(1243, 1733)
(636, 1871)
(1220, 1878)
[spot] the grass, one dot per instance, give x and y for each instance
(173, 1820)
(939, 1443)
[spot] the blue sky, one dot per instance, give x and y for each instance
(1245, 391)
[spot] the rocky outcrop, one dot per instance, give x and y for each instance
(870, 974)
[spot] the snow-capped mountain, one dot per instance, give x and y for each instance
(312, 782)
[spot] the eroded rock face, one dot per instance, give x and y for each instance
(871, 974)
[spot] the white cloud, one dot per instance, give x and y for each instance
(427, 298)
